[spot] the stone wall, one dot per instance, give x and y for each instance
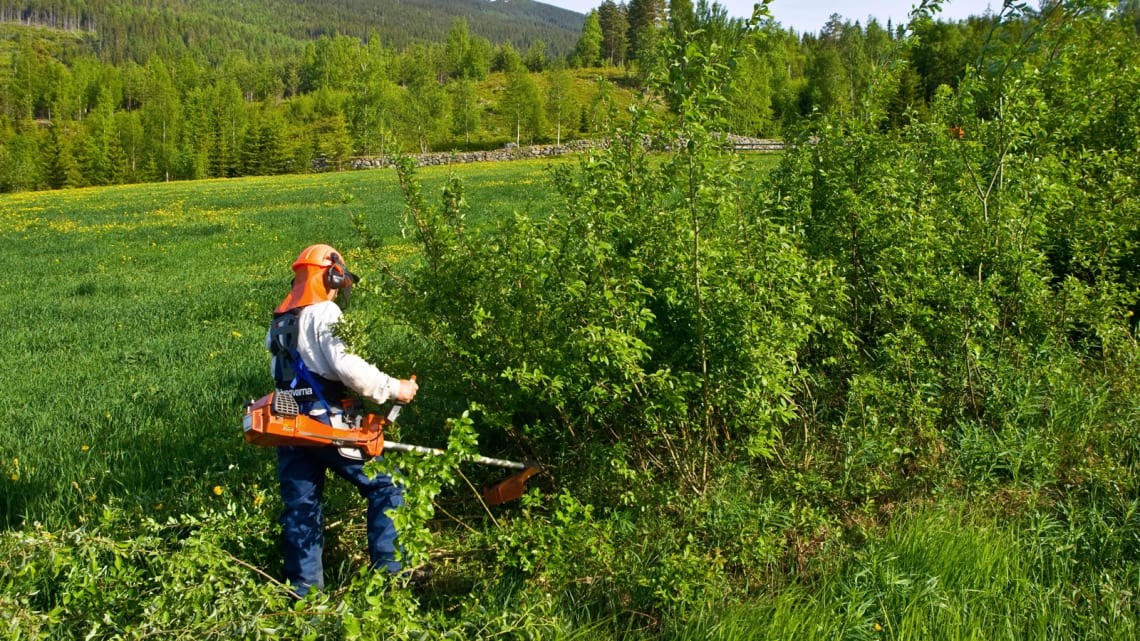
(511, 152)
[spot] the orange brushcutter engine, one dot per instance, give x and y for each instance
(275, 419)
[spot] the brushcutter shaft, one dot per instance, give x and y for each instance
(482, 460)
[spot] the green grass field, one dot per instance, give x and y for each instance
(135, 321)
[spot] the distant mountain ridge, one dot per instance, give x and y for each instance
(121, 29)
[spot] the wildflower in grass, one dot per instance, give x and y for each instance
(235, 333)
(257, 500)
(218, 490)
(91, 498)
(878, 628)
(158, 507)
(85, 448)
(15, 476)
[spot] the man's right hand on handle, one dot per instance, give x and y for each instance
(408, 389)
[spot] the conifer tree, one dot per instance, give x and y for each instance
(589, 48)
(644, 16)
(615, 29)
(57, 161)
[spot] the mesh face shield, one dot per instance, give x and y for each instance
(345, 295)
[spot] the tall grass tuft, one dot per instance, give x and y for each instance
(943, 574)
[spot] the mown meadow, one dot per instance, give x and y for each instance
(882, 386)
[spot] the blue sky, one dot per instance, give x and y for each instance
(811, 15)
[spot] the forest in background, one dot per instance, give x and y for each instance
(265, 29)
(98, 93)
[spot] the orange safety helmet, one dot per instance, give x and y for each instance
(318, 274)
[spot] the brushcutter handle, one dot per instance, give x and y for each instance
(394, 413)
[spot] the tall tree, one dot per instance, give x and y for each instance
(589, 48)
(477, 62)
(614, 22)
(161, 118)
(507, 59)
(97, 152)
(19, 164)
(465, 118)
(457, 48)
(750, 109)
(193, 154)
(26, 67)
(265, 151)
(227, 118)
(682, 20)
(560, 105)
(601, 106)
(535, 57)
(645, 18)
(373, 99)
(424, 109)
(58, 163)
(129, 142)
(329, 62)
(522, 105)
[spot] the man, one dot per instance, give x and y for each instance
(312, 365)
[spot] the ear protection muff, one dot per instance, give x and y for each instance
(337, 275)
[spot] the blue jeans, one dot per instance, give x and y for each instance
(301, 472)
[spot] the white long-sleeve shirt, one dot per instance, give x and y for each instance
(327, 355)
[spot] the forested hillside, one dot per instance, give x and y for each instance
(216, 29)
(94, 92)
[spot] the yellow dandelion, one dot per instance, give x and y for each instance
(235, 333)
(85, 448)
(878, 628)
(257, 500)
(218, 490)
(15, 476)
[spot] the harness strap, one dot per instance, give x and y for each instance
(289, 367)
(302, 370)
